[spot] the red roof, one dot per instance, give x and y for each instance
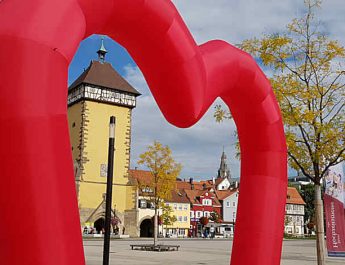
(141, 176)
(223, 194)
(178, 196)
(293, 196)
(194, 196)
(144, 176)
(104, 75)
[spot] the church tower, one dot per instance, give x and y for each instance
(223, 171)
(98, 93)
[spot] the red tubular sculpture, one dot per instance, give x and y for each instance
(38, 38)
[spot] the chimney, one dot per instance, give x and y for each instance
(191, 183)
(204, 186)
(236, 184)
(214, 181)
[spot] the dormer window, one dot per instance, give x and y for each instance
(207, 202)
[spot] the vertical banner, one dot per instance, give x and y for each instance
(334, 200)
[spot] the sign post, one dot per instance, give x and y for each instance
(111, 150)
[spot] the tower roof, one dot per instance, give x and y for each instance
(102, 52)
(102, 74)
(223, 171)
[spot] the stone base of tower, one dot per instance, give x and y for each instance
(131, 223)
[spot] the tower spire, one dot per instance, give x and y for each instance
(223, 171)
(102, 52)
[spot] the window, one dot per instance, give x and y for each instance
(150, 205)
(234, 215)
(234, 204)
(175, 206)
(180, 207)
(103, 170)
(227, 204)
(207, 214)
(198, 214)
(147, 190)
(180, 218)
(191, 214)
(185, 218)
(185, 207)
(207, 202)
(142, 204)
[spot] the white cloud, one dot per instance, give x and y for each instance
(234, 21)
(199, 148)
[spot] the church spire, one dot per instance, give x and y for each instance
(102, 52)
(223, 171)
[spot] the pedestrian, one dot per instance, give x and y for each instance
(212, 232)
(123, 230)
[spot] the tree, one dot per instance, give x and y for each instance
(204, 221)
(167, 217)
(308, 196)
(164, 171)
(215, 217)
(308, 81)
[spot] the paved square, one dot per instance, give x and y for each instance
(195, 252)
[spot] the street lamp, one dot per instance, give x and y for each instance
(111, 151)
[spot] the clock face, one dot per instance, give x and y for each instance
(104, 170)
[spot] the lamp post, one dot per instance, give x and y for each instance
(111, 150)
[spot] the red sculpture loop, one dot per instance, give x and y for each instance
(37, 41)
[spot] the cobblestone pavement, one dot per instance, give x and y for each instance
(195, 252)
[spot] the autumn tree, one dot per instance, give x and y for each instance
(308, 80)
(164, 171)
(167, 216)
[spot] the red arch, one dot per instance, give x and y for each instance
(37, 41)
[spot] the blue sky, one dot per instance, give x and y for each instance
(199, 148)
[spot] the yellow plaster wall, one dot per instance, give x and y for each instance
(96, 136)
(177, 212)
(75, 121)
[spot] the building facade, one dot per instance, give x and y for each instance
(178, 202)
(294, 213)
(98, 93)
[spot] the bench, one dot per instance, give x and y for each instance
(151, 247)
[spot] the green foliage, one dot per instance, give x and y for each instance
(307, 193)
(215, 217)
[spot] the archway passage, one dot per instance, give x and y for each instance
(184, 78)
(100, 225)
(146, 228)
